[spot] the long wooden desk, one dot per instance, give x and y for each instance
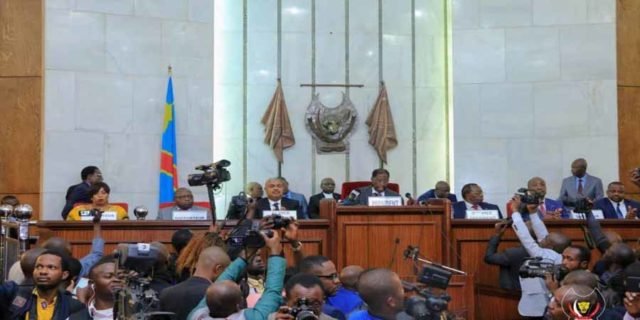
(314, 234)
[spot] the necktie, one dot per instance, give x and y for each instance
(543, 210)
(580, 186)
(375, 194)
(276, 206)
(619, 212)
(475, 207)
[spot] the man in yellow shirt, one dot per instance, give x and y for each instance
(46, 301)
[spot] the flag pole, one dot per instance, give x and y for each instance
(170, 70)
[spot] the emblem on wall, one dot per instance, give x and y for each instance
(330, 127)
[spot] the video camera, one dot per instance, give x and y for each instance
(538, 268)
(136, 300)
(529, 196)
(303, 311)
(428, 305)
(214, 174)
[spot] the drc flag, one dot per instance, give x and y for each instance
(168, 156)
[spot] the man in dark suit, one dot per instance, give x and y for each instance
(508, 260)
(615, 206)
(580, 185)
(328, 186)
(274, 187)
(79, 193)
(378, 187)
(183, 297)
(473, 200)
(442, 190)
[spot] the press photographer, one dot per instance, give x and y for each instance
(304, 299)
(535, 294)
(238, 206)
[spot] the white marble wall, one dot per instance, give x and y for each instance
(534, 88)
(302, 167)
(105, 85)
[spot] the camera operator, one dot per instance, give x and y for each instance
(304, 294)
(224, 298)
(535, 294)
(253, 192)
(632, 295)
(381, 289)
(508, 260)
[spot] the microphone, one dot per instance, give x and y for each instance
(393, 254)
(351, 200)
(410, 200)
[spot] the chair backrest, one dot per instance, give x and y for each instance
(124, 205)
(203, 204)
(509, 211)
(348, 186)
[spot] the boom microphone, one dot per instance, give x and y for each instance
(393, 254)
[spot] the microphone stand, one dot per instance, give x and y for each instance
(414, 256)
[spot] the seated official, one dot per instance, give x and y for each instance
(253, 192)
(328, 186)
(99, 195)
(378, 187)
(473, 200)
(183, 199)
(615, 206)
(302, 200)
(274, 201)
(442, 190)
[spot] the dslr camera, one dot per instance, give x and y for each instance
(213, 174)
(303, 310)
(537, 268)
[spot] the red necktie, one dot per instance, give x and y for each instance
(475, 207)
(580, 186)
(542, 208)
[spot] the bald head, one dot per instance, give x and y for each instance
(579, 167)
(349, 276)
(328, 185)
(28, 261)
(212, 261)
(581, 277)
(223, 299)
(57, 244)
(382, 290)
(538, 185)
(442, 189)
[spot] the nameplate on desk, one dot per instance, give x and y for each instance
(85, 215)
(291, 214)
(190, 215)
(483, 214)
(598, 214)
(385, 201)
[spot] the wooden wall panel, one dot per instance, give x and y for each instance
(21, 102)
(628, 60)
(21, 23)
(628, 42)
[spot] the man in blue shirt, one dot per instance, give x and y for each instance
(347, 298)
(295, 196)
(382, 290)
(324, 269)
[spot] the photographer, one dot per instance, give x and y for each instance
(253, 192)
(224, 298)
(304, 293)
(535, 294)
(508, 260)
(632, 295)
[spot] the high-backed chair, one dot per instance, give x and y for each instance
(348, 186)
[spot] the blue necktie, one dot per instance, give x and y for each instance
(620, 216)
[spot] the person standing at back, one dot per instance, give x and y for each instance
(79, 193)
(580, 185)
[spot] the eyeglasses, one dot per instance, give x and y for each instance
(332, 276)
